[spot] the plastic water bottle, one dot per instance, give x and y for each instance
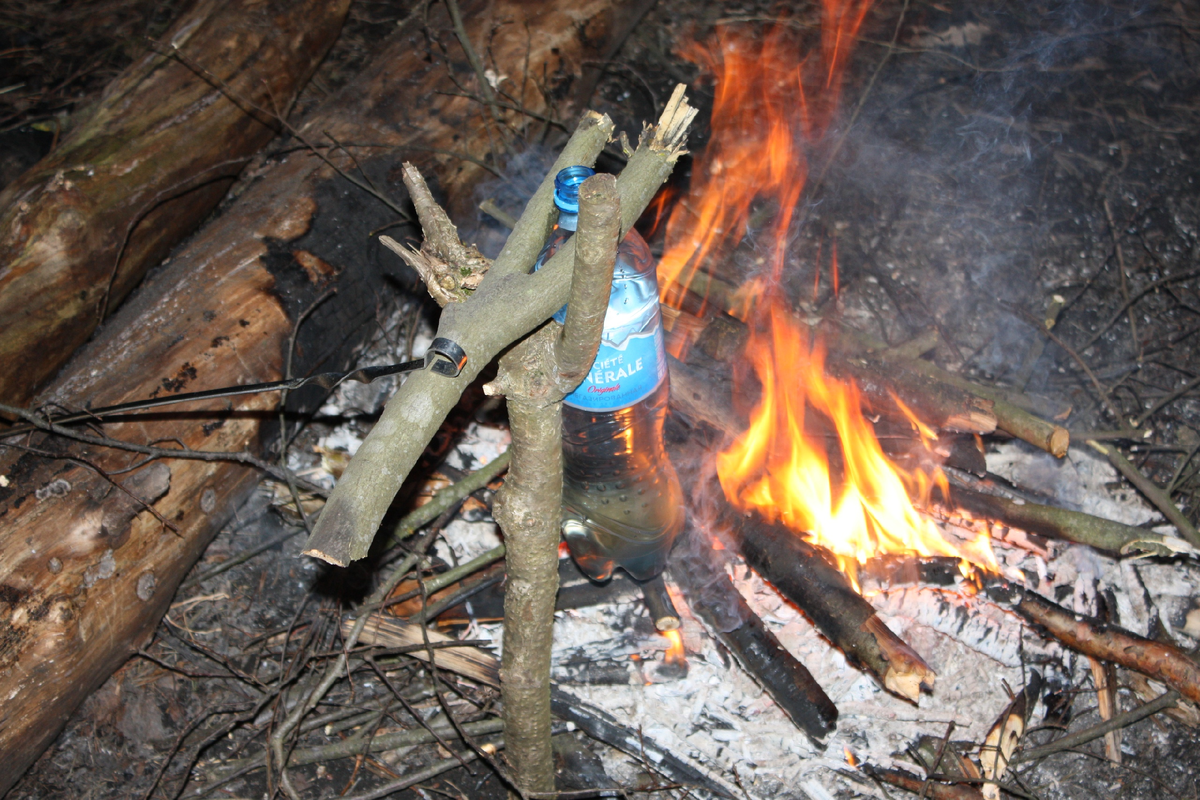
(622, 504)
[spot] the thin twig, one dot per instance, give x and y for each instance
(1161, 500)
(242, 457)
(460, 31)
(1052, 336)
(176, 53)
(1166, 700)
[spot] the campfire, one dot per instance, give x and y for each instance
(927, 312)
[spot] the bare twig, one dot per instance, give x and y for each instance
(1119, 721)
(1161, 500)
(242, 457)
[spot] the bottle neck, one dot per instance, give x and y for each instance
(567, 221)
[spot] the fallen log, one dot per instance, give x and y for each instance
(84, 588)
(142, 167)
(714, 598)
(1106, 642)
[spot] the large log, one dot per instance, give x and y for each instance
(83, 585)
(140, 169)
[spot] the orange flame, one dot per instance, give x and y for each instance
(675, 655)
(761, 119)
(772, 104)
(780, 469)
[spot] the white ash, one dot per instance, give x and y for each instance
(462, 540)
(721, 720)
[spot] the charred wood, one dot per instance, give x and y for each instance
(659, 604)
(726, 613)
(800, 572)
(603, 728)
(140, 169)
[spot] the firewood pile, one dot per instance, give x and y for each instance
(943, 253)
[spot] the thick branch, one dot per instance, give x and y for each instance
(508, 304)
(529, 505)
(591, 281)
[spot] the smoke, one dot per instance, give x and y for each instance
(522, 173)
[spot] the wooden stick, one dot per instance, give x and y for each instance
(801, 573)
(935, 403)
(906, 780)
(714, 598)
(1089, 636)
(1161, 500)
(1010, 408)
(507, 305)
(1072, 526)
(603, 728)
(658, 603)
(387, 631)
(1163, 702)
(534, 377)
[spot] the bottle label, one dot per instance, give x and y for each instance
(622, 374)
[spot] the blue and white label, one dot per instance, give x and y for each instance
(622, 375)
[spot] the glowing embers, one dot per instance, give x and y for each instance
(779, 468)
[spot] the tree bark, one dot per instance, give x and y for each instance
(534, 377)
(83, 586)
(1162, 662)
(141, 168)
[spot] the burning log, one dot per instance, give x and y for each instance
(141, 169)
(800, 572)
(659, 604)
(1162, 662)
(84, 587)
(705, 396)
(718, 602)
(919, 383)
(937, 404)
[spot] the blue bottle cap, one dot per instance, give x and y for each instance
(566, 187)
